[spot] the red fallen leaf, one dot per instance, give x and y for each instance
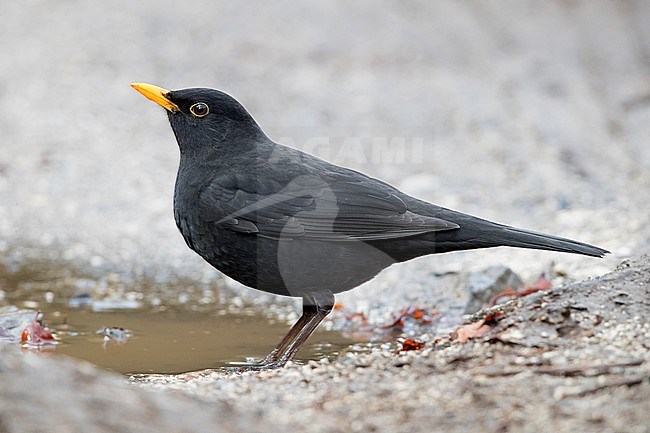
(365, 331)
(492, 318)
(398, 323)
(36, 334)
(542, 283)
(357, 321)
(476, 329)
(465, 333)
(419, 314)
(411, 344)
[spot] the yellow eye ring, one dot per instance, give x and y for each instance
(200, 109)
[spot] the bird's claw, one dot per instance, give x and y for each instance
(269, 362)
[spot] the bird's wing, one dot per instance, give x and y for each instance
(311, 207)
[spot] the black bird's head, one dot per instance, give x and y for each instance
(205, 118)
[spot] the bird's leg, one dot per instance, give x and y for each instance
(315, 308)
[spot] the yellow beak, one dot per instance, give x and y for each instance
(156, 94)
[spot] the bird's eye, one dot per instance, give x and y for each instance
(200, 109)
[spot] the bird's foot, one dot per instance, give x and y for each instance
(270, 362)
(243, 368)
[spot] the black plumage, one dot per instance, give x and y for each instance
(285, 222)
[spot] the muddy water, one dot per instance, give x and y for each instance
(164, 338)
(174, 341)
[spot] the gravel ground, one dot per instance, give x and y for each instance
(547, 102)
(576, 358)
(572, 359)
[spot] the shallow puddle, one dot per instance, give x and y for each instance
(166, 338)
(174, 341)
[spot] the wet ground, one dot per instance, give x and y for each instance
(535, 114)
(175, 327)
(127, 336)
(173, 341)
(572, 359)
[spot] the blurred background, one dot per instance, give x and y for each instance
(530, 113)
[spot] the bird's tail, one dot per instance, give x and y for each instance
(476, 233)
(515, 237)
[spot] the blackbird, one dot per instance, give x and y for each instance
(286, 222)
